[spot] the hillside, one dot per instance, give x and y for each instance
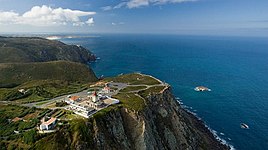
(46, 68)
(44, 80)
(35, 49)
(146, 119)
(16, 73)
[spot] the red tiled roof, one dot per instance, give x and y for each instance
(51, 120)
(16, 119)
(74, 98)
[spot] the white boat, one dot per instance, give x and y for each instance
(244, 126)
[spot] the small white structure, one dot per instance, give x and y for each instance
(48, 125)
(107, 89)
(22, 91)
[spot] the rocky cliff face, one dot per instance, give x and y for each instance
(163, 124)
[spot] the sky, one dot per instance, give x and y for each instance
(186, 17)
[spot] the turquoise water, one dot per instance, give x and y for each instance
(236, 69)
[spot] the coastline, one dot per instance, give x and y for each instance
(201, 124)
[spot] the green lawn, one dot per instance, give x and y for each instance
(9, 112)
(132, 88)
(130, 100)
(134, 79)
(40, 90)
(151, 90)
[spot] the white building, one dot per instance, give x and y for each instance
(81, 110)
(107, 89)
(48, 125)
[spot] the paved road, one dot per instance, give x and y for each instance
(84, 93)
(147, 87)
(117, 85)
(60, 98)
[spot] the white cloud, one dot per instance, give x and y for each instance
(117, 23)
(106, 8)
(138, 3)
(90, 22)
(141, 3)
(47, 16)
(8, 17)
(120, 5)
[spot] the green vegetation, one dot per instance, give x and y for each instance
(151, 90)
(61, 104)
(43, 113)
(73, 129)
(35, 49)
(30, 136)
(134, 79)
(77, 130)
(40, 90)
(104, 111)
(44, 68)
(69, 115)
(16, 74)
(43, 81)
(132, 88)
(54, 141)
(131, 101)
(58, 114)
(25, 124)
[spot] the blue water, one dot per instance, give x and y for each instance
(236, 69)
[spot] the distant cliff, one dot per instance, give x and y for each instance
(162, 124)
(35, 49)
(24, 59)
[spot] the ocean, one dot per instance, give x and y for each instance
(234, 68)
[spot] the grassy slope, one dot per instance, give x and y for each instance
(8, 138)
(40, 90)
(47, 68)
(131, 99)
(134, 79)
(57, 70)
(43, 80)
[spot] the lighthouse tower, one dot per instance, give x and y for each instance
(94, 97)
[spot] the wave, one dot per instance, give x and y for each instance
(214, 132)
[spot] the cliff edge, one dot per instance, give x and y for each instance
(160, 123)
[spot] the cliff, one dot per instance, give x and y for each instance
(161, 124)
(35, 49)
